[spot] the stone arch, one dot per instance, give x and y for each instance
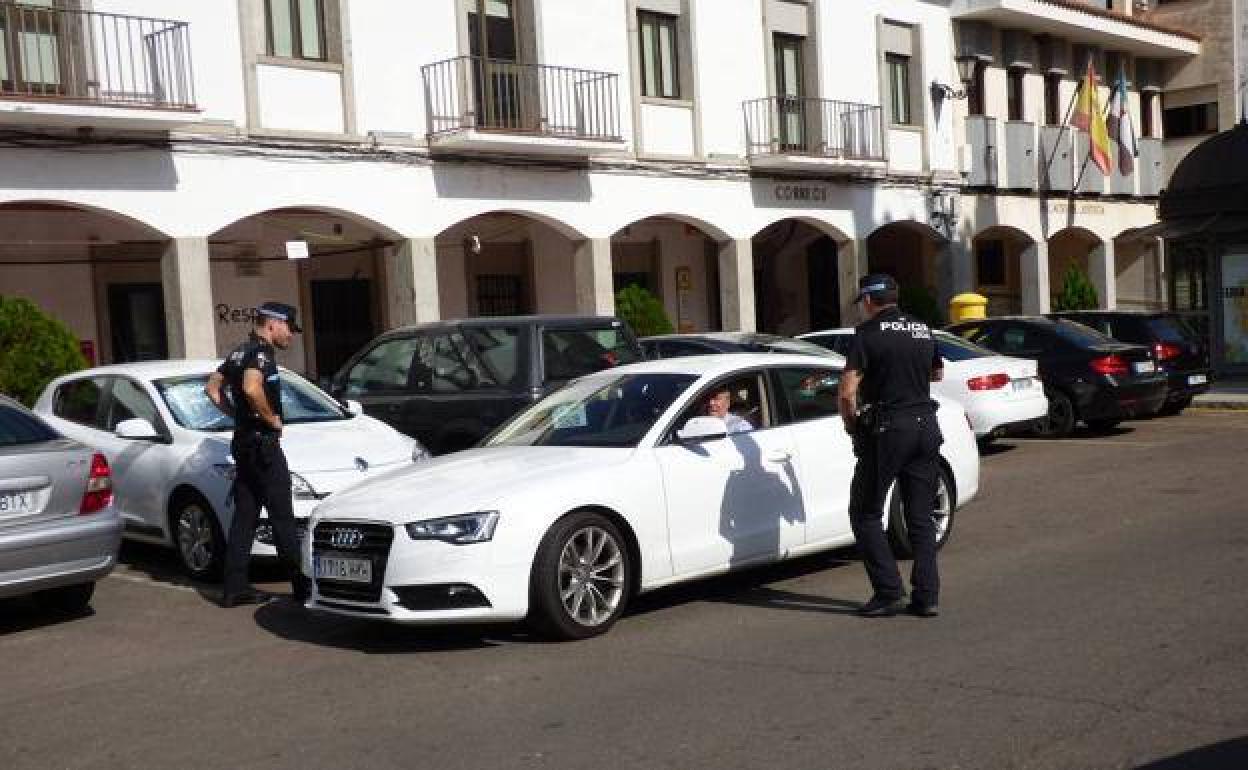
(1082, 248)
(804, 275)
(915, 254)
(997, 267)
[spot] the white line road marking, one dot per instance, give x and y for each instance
(148, 581)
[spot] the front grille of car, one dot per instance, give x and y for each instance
(375, 546)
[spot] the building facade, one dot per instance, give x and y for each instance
(168, 165)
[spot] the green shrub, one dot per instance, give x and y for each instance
(642, 310)
(34, 349)
(920, 303)
(1077, 292)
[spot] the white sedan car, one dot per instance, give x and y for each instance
(1000, 394)
(616, 484)
(169, 449)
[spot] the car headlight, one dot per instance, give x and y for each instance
(467, 528)
(301, 489)
(419, 452)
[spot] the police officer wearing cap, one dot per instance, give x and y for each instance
(886, 404)
(247, 387)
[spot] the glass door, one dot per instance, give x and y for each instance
(137, 316)
(497, 76)
(790, 93)
(30, 48)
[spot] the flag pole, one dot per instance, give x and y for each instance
(1109, 104)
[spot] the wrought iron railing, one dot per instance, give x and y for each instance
(469, 92)
(96, 58)
(783, 125)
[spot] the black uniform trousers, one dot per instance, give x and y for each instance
(262, 481)
(905, 449)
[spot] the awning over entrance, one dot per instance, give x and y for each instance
(1175, 229)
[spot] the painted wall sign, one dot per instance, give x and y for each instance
(801, 193)
(228, 314)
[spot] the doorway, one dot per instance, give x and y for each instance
(790, 91)
(823, 283)
(342, 321)
(137, 316)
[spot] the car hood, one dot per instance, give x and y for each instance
(333, 446)
(474, 479)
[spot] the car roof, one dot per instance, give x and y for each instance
(509, 320)
(732, 337)
(153, 370)
(717, 364)
(1039, 320)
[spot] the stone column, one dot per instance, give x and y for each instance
(853, 265)
(953, 274)
(736, 285)
(1033, 268)
(592, 277)
(186, 280)
(411, 279)
(1103, 271)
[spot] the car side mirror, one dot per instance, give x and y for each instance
(354, 407)
(136, 429)
(702, 429)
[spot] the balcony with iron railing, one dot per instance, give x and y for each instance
(783, 131)
(475, 103)
(59, 65)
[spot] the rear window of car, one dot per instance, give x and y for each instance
(571, 353)
(953, 348)
(1078, 334)
(1168, 330)
(17, 428)
(79, 401)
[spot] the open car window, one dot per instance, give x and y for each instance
(748, 407)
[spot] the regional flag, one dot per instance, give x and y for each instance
(1121, 129)
(1088, 117)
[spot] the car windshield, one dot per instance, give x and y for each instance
(953, 348)
(17, 427)
(301, 402)
(595, 412)
(1081, 335)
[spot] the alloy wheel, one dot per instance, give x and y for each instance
(591, 576)
(195, 537)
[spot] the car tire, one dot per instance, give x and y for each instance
(1060, 420)
(1103, 426)
(197, 537)
(942, 514)
(581, 578)
(1175, 407)
(67, 600)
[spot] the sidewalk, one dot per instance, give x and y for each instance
(1225, 394)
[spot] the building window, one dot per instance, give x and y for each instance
(296, 29)
(977, 93)
(1052, 99)
(1192, 120)
(660, 63)
(899, 88)
(1016, 104)
(1148, 100)
(990, 263)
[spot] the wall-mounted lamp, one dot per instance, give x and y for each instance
(967, 65)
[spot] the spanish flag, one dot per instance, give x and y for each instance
(1088, 117)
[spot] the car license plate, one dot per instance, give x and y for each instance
(1021, 384)
(344, 568)
(1197, 379)
(16, 502)
(1143, 367)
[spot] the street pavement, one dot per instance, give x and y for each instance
(1093, 617)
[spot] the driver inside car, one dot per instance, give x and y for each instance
(718, 404)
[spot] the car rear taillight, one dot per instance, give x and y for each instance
(1110, 364)
(99, 487)
(988, 382)
(1165, 351)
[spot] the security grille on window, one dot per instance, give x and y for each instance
(660, 73)
(296, 29)
(499, 295)
(899, 88)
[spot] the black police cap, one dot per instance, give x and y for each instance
(281, 312)
(874, 284)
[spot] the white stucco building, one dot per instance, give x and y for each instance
(746, 160)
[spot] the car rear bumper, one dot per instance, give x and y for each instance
(65, 552)
(1116, 402)
(1179, 385)
(994, 419)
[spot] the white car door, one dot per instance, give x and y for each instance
(807, 397)
(734, 499)
(140, 467)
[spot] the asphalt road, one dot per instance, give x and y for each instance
(1094, 616)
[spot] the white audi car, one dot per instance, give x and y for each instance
(169, 449)
(616, 484)
(1000, 394)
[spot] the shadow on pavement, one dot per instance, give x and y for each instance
(1227, 755)
(25, 614)
(996, 448)
(288, 620)
(161, 564)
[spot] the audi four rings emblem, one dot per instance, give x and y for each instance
(361, 465)
(346, 538)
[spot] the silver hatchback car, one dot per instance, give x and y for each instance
(59, 531)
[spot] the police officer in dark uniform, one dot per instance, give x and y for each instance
(886, 403)
(248, 388)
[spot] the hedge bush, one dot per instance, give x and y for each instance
(1077, 292)
(34, 349)
(642, 310)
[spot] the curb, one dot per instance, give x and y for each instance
(1215, 403)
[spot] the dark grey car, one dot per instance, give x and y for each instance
(59, 531)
